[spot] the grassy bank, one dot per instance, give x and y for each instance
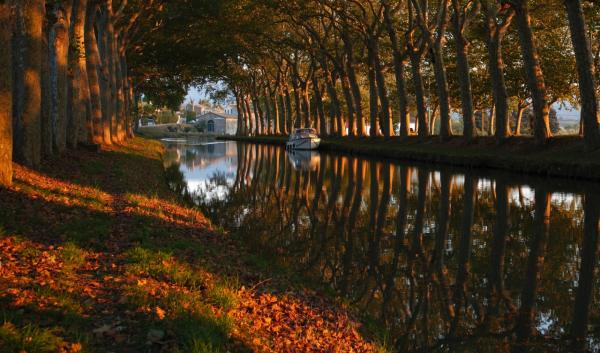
(561, 156)
(97, 254)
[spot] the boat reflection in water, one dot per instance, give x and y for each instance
(446, 260)
(304, 159)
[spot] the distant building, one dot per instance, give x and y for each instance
(231, 109)
(219, 124)
(198, 108)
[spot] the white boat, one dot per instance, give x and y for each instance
(303, 139)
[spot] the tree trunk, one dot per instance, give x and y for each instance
(59, 74)
(423, 129)
(585, 70)
(250, 131)
(92, 60)
(298, 119)
(335, 113)
(387, 127)
(305, 104)
(321, 124)
(498, 84)
(356, 95)
(119, 88)
(80, 109)
(282, 112)
(520, 110)
(288, 110)
(6, 138)
(268, 111)
(464, 74)
(27, 115)
(399, 74)
(373, 107)
(349, 98)
(112, 71)
(442, 92)
(46, 114)
(105, 89)
(535, 77)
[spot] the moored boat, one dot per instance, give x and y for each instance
(303, 139)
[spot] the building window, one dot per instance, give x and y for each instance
(211, 126)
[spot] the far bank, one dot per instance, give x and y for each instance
(561, 157)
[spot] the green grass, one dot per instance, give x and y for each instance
(162, 265)
(28, 338)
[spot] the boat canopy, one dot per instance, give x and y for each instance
(305, 131)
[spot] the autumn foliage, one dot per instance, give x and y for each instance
(97, 254)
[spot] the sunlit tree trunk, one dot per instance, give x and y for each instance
(359, 127)
(533, 69)
(386, 117)
(464, 72)
(586, 71)
(6, 138)
(27, 97)
(399, 73)
(59, 80)
(288, 110)
(268, 111)
(321, 124)
(46, 110)
(334, 109)
(92, 60)
(415, 60)
(495, 34)
(282, 111)
(373, 101)
(105, 88)
(305, 103)
(80, 115)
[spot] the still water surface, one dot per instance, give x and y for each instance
(444, 259)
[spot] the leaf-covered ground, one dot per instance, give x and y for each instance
(98, 255)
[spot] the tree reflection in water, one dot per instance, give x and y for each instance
(445, 260)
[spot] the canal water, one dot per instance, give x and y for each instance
(445, 259)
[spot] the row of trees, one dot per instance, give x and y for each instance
(65, 78)
(345, 66)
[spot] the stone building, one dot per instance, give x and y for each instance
(218, 123)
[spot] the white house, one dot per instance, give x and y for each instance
(217, 123)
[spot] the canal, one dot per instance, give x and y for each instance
(445, 259)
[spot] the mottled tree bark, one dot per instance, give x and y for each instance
(92, 60)
(464, 72)
(373, 101)
(533, 69)
(495, 34)
(6, 138)
(398, 72)
(59, 73)
(357, 126)
(27, 116)
(80, 116)
(321, 124)
(423, 124)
